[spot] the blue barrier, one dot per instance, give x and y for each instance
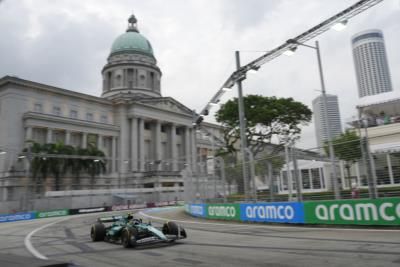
(279, 212)
(197, 210)
(17, 217)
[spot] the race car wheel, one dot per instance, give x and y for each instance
(97, 232)
(183, 233)
(129, 237)
(170, 228)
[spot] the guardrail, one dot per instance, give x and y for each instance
(32, 215)
(378, 212)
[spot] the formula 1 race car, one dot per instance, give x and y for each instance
(130, 231)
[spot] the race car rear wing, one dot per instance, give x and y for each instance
(109, 219)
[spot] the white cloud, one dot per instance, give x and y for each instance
(66, 43)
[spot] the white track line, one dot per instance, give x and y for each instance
(28, 243)
(272, 226)
(37, 254)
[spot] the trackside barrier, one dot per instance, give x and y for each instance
(379, 212)
(23, 216)
(52, 213)
(384, 211)
(284, 212)
(197, 210)
(88, 210)
(223, 211)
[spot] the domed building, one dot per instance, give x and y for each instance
(148, 140)
(131, 67)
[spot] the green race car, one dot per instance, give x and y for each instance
(130, 231)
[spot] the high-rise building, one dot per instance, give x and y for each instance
(371, 63)
(321, 127)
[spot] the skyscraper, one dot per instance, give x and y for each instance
(321, 127)
(371, 63)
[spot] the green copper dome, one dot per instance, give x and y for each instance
(132, 42)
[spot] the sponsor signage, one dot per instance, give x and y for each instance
(128, 207)
(87, 210)
(17, 217)
(285, 212)
(223, 211)
(52, 213)
(384, 211)
(197, 210)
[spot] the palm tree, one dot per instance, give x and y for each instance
(38, 165)
(54, 162)
(95, 166)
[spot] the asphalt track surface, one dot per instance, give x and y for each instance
(209, 243)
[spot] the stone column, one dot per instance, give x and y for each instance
(49, 138)
(67, 137)
(28, 133)
(123, 139)
(187, 147)
(174, 151)
(193, 148)
(113, 154)
(134, 144)
(141, 144)
(84, 140)
(157, 143)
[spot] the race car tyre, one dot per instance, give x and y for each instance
(170, 228)
(183, 233)
(129, 237)
(97, 232)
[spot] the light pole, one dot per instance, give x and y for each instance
(242, 126)
(326, 118)
(366, 156)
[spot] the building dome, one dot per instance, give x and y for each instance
(131, 67)
(132, 42)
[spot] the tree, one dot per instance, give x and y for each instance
(267, 119)
(347, 147)
(39, 166)
(96, 166)
(57, 165)
(53, 159)
(233, 171)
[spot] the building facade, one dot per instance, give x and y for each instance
(371, 64)
(148, 139)
(321, 127)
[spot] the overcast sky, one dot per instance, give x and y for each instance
(65, 43)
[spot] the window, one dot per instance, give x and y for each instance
(163, 128)
(73, 114)
(147, 126)
(178, 131)
(57, 111)
(38, 107)
(89, 116)
(104, 119)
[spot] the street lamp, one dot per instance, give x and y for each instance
(326, 118)
(242, 127)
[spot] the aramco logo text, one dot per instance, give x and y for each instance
(270, 212)
(222, 211)
(386, 211)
